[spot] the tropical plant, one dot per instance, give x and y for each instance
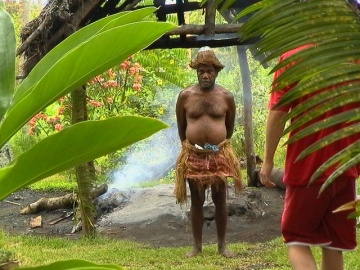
(334, 26)
(64, 68)
(71, 64)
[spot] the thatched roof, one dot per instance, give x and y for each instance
(60, 18)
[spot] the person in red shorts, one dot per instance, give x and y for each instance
(308, 219)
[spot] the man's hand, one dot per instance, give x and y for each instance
(265, 175)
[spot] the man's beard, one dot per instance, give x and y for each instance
(206, 85)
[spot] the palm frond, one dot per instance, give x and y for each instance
(332, 138)
(328, 69)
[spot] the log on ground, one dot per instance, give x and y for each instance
(67, 201)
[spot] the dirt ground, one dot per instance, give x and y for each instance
(152, 217)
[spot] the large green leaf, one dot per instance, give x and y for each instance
(7, 61)
(75, 40)
(73, 265)
(75, 67)
(74, 145)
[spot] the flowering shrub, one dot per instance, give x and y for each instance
(118, 91)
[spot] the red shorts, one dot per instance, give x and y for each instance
(308, 219)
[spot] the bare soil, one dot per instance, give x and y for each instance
(152, 217)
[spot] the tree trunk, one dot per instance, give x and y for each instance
(249, 140)
(85, 173)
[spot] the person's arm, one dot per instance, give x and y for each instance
(230, 116)
(181, 116)
(274, 129)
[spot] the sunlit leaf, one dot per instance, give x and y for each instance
(74, 145)
(76, 67)
(73, 265)
(7, 61)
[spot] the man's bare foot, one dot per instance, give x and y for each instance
(193, 253)
(227, 253)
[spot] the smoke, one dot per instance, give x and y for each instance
(152, 158)
(149, 160)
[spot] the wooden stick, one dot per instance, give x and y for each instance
(12, 202)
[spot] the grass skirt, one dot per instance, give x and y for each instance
(206, 167)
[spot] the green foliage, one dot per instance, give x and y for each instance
(5, 255)
(83, 55)
(22, 142)
(30, 97)
(74, 265)
(333, 61)
(77, 150)
(56, 182)
(272, 255)
(7, 61)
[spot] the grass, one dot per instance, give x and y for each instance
(57, 182)
(33, 251)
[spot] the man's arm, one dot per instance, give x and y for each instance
(274, 129)
(230, 116)
(181, 116)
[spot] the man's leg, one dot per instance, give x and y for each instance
(332, 259)
(221, 215)
(301, 258)
(197, 216)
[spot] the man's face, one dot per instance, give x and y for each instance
(206, 76)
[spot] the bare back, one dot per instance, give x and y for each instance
(205, 116)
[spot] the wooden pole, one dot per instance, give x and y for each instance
(210, 18)
(248, 126)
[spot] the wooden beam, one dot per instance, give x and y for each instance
(210, 13)
(197, 42)
(194, 29)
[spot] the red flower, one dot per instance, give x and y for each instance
(59, 127)
(137, 87)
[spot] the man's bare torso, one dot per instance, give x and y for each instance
(206, 114)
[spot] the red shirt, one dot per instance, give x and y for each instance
(300, 172)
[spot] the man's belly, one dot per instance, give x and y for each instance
(209, 133)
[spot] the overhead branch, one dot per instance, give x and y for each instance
(32, 37)
(193, 29)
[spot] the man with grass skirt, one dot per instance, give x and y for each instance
(205, 116)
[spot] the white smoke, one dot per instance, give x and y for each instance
(148, 161)
(153, 158)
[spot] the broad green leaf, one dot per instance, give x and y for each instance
(75, 40)
(73, 265)
(77, 66)
(74, 145)
(7, 61)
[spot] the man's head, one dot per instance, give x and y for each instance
(207, 67)
(207, 57)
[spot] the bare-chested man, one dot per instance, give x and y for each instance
(205, 116)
